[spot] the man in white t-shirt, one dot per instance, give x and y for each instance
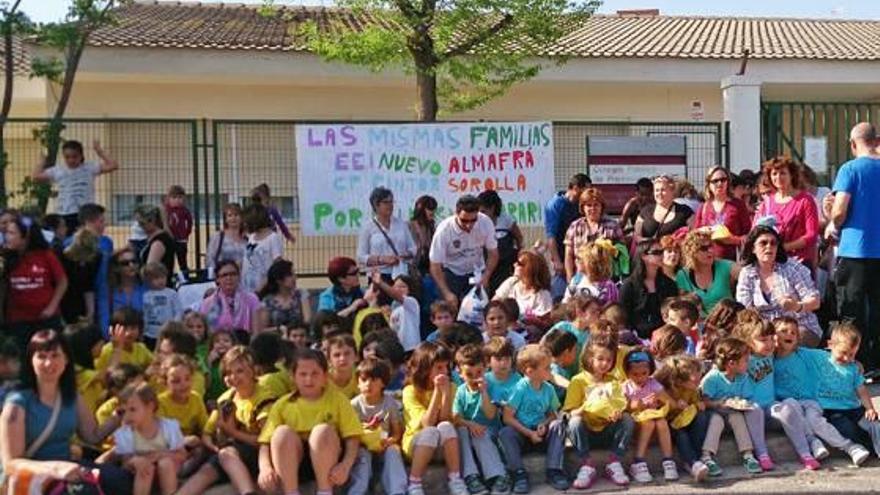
(75, 179)
(457, 250)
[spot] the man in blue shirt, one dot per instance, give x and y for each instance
(855, 212)
(559, 213)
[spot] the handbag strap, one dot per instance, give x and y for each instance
(387, 239)
(47, 431)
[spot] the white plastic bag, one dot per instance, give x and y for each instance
(472, 305)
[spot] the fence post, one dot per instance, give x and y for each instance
(194, 130)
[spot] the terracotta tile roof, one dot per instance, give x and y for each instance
(242, 27)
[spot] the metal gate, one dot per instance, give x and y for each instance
(787, 125)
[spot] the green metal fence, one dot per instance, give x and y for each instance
(787, 124)
(220, 161)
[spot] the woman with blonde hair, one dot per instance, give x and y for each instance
(529, 286)
(665, 216)
(594, 225)
(725, 216)
(81, 261)
(703, 275)
(594, 277)
(794, 212)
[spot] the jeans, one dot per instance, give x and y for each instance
(389, 463)
(615, 436)
(820, 427)
(486, 453)
(858, 298)
(852, 424)
(689, 440)
(513, 443)
(557, 287)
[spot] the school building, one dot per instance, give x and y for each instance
(209, 95)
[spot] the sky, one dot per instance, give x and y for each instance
(53, 10)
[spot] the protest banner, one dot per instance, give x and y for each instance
(339, 164)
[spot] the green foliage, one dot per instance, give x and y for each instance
(476, 49)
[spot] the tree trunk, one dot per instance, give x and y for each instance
(8, 80)
(426, 83)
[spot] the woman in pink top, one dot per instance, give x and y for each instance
(797, 218)
(721, 208)
(231, 307)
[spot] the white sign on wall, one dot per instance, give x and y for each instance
(339, 165)
(816, 153)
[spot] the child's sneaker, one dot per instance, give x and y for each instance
(639, 472)
(475, 485)
(586, 475)
(714, 468)
(699, 471)
(810, 463)
(858, 454)
(670, 470)
(521, 481)
(751, 464)
(614, 471)
(558, 480)
(415, 490)
(458, 487)
(766, 462)
(818, 449)
(501, 485)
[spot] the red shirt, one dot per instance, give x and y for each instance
(32, 284)
(734, 215)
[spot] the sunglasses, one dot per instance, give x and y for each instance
(705, 248)
(127, 262)
(468, 221)
(654, 252)
(720, 180)
(352, 273)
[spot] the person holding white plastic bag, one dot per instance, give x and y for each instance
(457, 250)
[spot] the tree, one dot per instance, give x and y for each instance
(13, 23)
(66, 40)
(463, 53)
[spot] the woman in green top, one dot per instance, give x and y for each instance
(710, 279)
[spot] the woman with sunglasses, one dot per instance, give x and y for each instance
(529, 286)
(776, 285)
(345, 296)
(795, 211)
(721, 209)
(665, 216)
(126, 289)
(709, 278)
(646, 288)
(231, 306)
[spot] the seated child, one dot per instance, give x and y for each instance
(477, 418)
(405, 311)
(502, 377)
(296, 331)
(383, 344)
(427, 416)
(594, 275)
(531, 422)
(315, 426)
(496, 323)
(149, 446)
(271, 362)
(688, 420)
(683, 314)
(180, 402)
(161, 303)
(728, 384)
(197, 325)
(442, 317)
(125, 330)
(219, 344)
(233, 428)
(174, 338)
(342, 356)
(86, 342)
(597, 405)
(842, 392)
(760, 337)
(587, 311)
(719, 324)
(648, 404)
(667, 341)
(796, 377)
(380, 417)
(562, 346)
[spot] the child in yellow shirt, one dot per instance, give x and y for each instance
(179, 401)
(316, 425)
(271, 361)
(342, 356)
(126, 325)
(174, 338)
(116, 379)
(86, 342)
(427, 416)
(232, 429)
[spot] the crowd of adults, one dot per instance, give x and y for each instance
(763, 239)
